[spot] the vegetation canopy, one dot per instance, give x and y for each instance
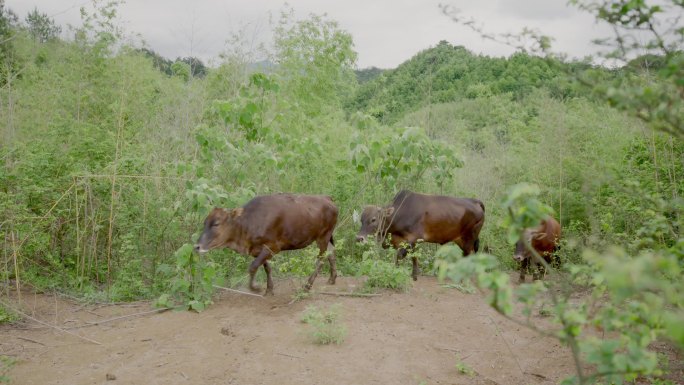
(112, 155)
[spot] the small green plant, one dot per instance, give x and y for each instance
(300, 295)
(463, 368)
(7, 315)
(6, 363)
(325, 326)
(192, 285)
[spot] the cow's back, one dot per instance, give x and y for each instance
(548, 233)
(289, 219)
(435, 218)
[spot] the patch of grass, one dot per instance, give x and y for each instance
(463, 368)
(300, 295)
(7, 315)
(325, 326)
(6, 363)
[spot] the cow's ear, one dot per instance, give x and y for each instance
(235, 213)
(388, 211)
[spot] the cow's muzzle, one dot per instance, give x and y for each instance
(360, 238)
(518, 257)
(198, 249)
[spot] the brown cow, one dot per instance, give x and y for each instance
(431, 218)
(269, 224)
(544, 240)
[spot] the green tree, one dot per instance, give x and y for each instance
(41, 26)
(315, 60)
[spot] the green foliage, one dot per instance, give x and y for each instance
(446, 73)
(248, 111)
(524, 209)
(324, 325)
(192, 281)
(7, 316)
(41, 26)
(403, 155)
(464, 368)
(637, 298)
(382, 274)
(315, 62)
(6, 363)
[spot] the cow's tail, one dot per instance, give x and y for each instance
(479, 202)
(476, 246)
(332, 242)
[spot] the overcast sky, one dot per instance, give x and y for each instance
(385, 32)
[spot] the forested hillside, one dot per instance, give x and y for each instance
(113, 155)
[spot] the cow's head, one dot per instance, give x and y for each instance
(218, 228)
(521, 251)
(374, 219)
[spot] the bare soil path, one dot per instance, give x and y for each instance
(396, 338)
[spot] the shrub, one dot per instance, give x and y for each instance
(325, 326)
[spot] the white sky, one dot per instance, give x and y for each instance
(385, 32)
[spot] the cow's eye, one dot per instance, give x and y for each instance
(373, 220)
(214, 224)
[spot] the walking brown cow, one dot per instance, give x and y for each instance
(431, 218)
(544, 240)
(269, 224)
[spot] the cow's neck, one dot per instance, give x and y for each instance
(236, 239)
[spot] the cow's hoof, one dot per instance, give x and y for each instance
(255, 289)
(415, 277)
(307, 287)
(331, 281)
(521, 280)
(269, 292)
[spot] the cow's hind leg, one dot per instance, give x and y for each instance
(258, 261)
(269, 280)
(523, 269)
(333, 263)
(323, 246)
(416, 269)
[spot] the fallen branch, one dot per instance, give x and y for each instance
(238, 291)
(541, 376)
(93, 323)
(48, 325)
(30, 340)
(347, 294)
(289, 355)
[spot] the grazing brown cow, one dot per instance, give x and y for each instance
(269, 224)
(544, 240)
(431, 218)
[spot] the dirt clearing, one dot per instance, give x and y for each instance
(396, 338)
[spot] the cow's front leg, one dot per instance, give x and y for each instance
(258, 261)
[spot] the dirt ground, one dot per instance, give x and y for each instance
(395, 338)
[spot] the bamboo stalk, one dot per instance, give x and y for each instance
(16, 267)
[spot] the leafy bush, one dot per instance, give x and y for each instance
(382, 274)
(325, 326)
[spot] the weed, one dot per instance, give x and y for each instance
(463, 368)
(7, 316)
(300, 295)
(324, 325)
(6, 363)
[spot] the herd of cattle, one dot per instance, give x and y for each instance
(269, 224)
